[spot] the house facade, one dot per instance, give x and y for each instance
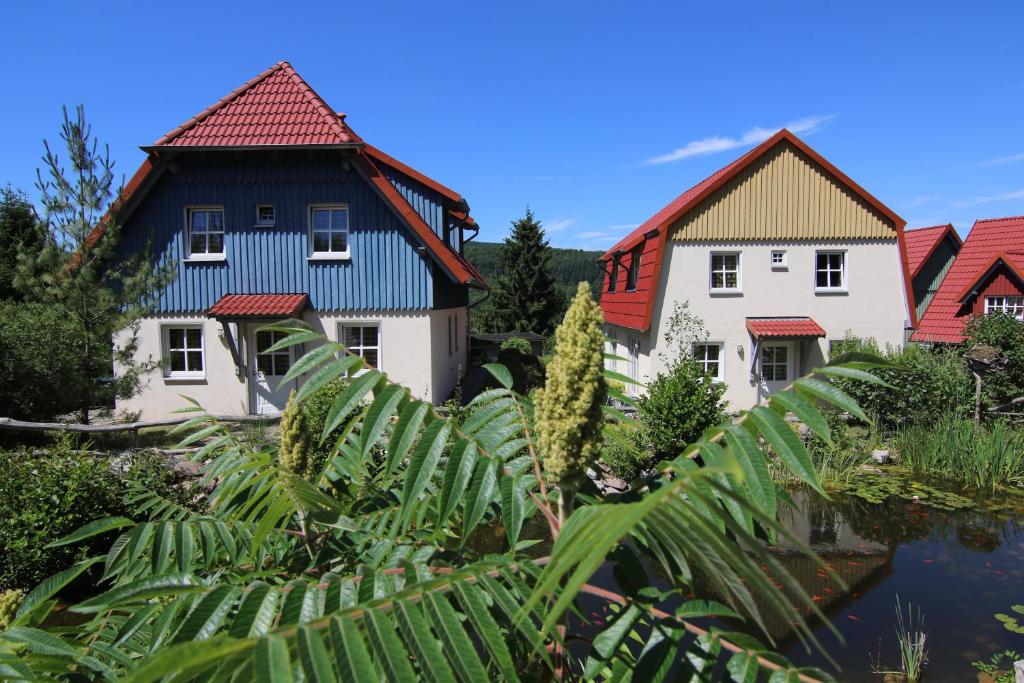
(779, 254)
(270, 207)
(986, 276)
(930, 254)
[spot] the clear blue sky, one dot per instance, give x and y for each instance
(595, 114)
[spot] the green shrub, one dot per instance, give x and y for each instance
(927, 384)
(315, 410)
(37, 356)
(517, 344)
(1006, 334)
(527, 371)
(680, 404)
(625, 451)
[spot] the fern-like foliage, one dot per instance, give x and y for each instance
(428, 549)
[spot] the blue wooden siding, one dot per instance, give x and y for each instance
(385, 271)
(428, 203)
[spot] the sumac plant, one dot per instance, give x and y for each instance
(430, 550)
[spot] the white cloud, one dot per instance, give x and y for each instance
(1003, 160)
(923, 199)
(1004, 197)
(717, 143)
(559, 225)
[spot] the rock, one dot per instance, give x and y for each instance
(881, 455)
(616, 484)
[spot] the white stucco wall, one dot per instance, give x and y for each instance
(874, 304)
(413, 352)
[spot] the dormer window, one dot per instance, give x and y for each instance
(265, 216)
(634, 269)
(205, 232)
(328, 231)
(613, 278)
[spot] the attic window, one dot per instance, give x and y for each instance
(265, 216)
(634, 269)
(613, 278)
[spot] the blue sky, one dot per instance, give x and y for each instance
(595, 114)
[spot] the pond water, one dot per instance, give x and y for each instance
(960, 566)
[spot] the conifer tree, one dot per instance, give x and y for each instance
(80, 272)
(525, 298)
(20, 231)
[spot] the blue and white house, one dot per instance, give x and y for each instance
(271, 207)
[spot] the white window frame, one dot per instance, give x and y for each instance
(783, 259)
(1009, 304)
(739, 273)
(266, 223)
(702, 359)
(362, 347)
(207, 255)
(790, 351)
(844, 271)
(165, 346)
(315, 255)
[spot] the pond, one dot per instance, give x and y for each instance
(960, 566)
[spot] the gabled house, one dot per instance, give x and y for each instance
(930, 254)
(986, 276)
(270, 207)
(779, 253)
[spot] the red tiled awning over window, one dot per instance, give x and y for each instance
(783, 328)
(259, 306)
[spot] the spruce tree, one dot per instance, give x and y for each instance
(20, 232)
(525, 298)
(80, 272)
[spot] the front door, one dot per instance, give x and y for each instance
(777, 363)
(269, 393)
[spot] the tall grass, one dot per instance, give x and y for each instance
(955, 448)
(911, 637)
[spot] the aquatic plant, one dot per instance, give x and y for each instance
(911, 637)
(1012, 624)
(999, 667)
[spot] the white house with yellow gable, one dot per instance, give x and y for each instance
(779, 253)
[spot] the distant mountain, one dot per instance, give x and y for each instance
(570, 266)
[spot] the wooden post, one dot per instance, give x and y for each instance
(977, 397)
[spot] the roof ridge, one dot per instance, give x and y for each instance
(944, 226)
(221, 103)
(996, 220)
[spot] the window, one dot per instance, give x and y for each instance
(775, 362)
(634, 269)
(329, 230)
(363, 340)
(779, 261)
(205, 232)
(633, 369)
(613, 278)
(272, 363)
(265, 216)
(183, 351)
(725, 272)
(710, 357)
(830, 270)
(1010, 305)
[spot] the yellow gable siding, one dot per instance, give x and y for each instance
(783, 195)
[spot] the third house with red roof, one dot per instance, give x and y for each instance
(779, 253)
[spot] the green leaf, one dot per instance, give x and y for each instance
(755, 468)
(313, 654)
(457, 474)
(184, 546)
(163, 543)
(500, 373)
(256, 614)
(743, 667)
(272, 662)
(208, 615)
(475, 608)
(187, 658)
(425, 650)
(853, 373)
(308, 361)
(325, 375)
(481, 491)
(830, 394)
(607, 643)
(40, 642)
(804, 411)
(423, 464)
(387, 647)
(693, 609)
(457, 644)
(380, 412)
(139, 591)
(786, 445)
(100, 526)
(861, 359)
(404, 434)
(350, 654)
(48, 588)
(348, 400)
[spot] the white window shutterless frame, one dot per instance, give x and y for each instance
(724, 276)
(364, 340)
(183, 351)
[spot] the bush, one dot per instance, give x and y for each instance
(517, 344)
(37, 356)
(928, 384)
(315, 410)
(527, 372)
(679, 406)
(625, 450)
(1006, 334)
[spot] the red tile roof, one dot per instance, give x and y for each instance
(259, 305)
(633, 309)
(922, 243)
(946, 316)
(783, 328)
(275, 108)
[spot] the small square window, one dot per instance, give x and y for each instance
(265, 215)
(779, 260)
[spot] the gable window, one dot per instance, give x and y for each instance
(725, 272)
(613, 278)
(183, 351)
(1010, 305)
(205, 232)
(710, 357)
(328, 227)
(634, 269)
(363, 339)
(265, 216)
(830, 271)
(779, 261)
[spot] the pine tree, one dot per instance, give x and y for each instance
(20, 232)
(80, 272)
(525, 298)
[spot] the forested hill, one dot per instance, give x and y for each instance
(569, 265)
